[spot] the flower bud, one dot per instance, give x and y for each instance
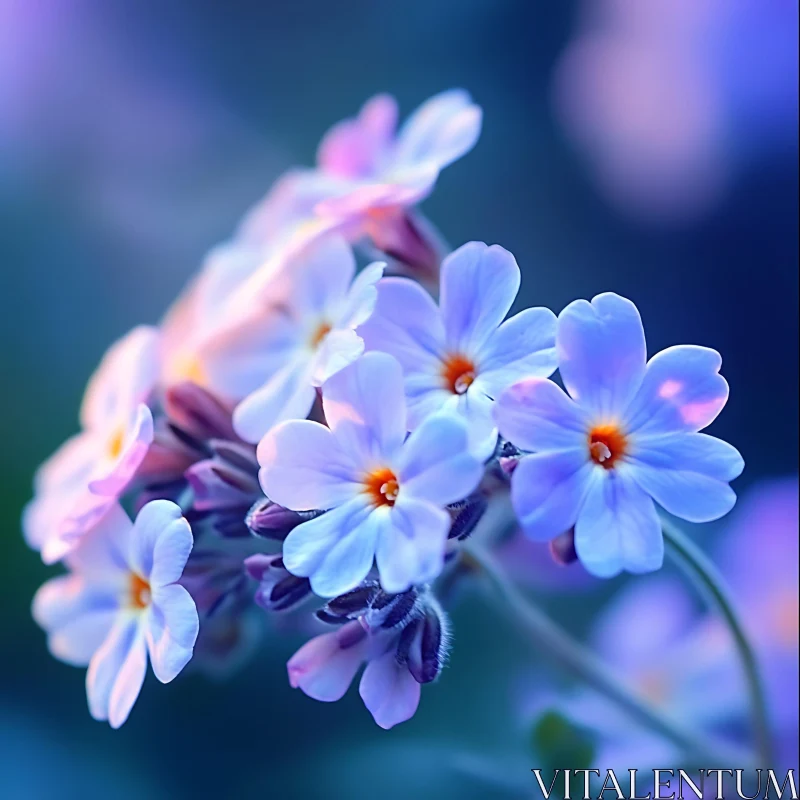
(278, 589)
(424, 643)
(562, 548)
(271, 521)
(197, 412)
(466, 514)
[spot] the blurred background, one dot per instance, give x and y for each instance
(649, 148)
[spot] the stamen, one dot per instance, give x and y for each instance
(458, 373)
(607, 444)
(116, 442)
(320, 333)
(382, 487)
(139, 592)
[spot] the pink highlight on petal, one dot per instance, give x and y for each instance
(698, 414)
(669, 389)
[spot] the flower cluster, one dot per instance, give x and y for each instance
(305, 438)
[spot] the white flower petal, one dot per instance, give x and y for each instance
(618, 527)
(303, 467)
(548, 489)
(478, 286)
(389, 691)
(682, 390)
(537, 415)
(288, 394)
(307, 546)
(435, 464)
(522, 347)
(129, 681)
(106, 664)
(601, 353)
(369, 393)
(76, 616)
(160, 543)
(687, 473)
(171, 631)
(407, 325)
(411, 546)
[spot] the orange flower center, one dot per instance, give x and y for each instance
(139, 592)
(116, 442)
(607, 444)
(458, 373)
(382, 487)
(323, 329)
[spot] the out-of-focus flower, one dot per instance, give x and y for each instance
(758, 555)
(625, 435)
(121, 603)
(668, 98)
(460, 356)
(369, 176)
(386, 495)
(278, 589)
(656, 640)
(90, 471)
(308, 338)
(402, 638)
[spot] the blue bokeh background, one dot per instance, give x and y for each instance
(132, 138)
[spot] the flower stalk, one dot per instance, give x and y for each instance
(710, 583)
(552, 639)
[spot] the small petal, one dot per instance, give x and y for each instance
(618, 527)
(303, 467)
(369, 393)
(547, 491)
(440, 131)
(389, 691)
(128, 683)
(682, 390)
(407, 325)
(172, 631)
(117, 472)
(361, 297)
(160, 543)
(76, 616)
(106, 664)
(601, 352)
(308, 545)
(478, 286)
(522, 347)
(411, 547)
(435, 464)
(287, 395)
(323, 669)
(687, 474)
(536, 414)
(353, 148)
(336, 351)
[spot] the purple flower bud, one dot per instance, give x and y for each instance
(198, 412)
(271, 521)
(278, 589)
(424, 642)
(562, 548)
(412, 241)
(466, 515)
(349, 605)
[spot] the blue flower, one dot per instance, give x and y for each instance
(120, 603)
(460, 355)
(624, 436)
(385, 494)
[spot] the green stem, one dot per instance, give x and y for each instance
(703, 571)
(551, 639)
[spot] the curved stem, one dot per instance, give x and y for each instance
(550, 638)
(703, 571)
